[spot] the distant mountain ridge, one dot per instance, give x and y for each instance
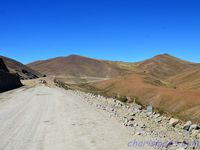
(162, 67)
(161, 70)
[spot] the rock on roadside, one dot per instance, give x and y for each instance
(173, 122)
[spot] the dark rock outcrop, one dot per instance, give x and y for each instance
(3, 66)
(22, 70)
(8, 81)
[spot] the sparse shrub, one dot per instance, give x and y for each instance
(137, 101)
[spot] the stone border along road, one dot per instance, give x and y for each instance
(168, 132)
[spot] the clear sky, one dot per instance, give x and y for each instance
(126, 30)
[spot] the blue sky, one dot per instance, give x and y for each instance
(126, 30)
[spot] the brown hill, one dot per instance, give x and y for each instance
(168, 71)
(181, 103)
(159, 67)
(161, 70)
(77, 66)
(188, 79)
(164, 66)
(22, 70)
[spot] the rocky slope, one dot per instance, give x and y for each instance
(22, 70)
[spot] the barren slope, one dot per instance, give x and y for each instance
(181, 103)
(160, 67)
(163, 66)
(189, 79)
(77, 66)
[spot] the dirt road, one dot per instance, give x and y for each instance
(43, 118)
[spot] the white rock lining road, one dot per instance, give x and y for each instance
(51, 118)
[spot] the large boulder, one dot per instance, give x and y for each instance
(193, 127)
(195, 133)
(187, 125)
(173, 122)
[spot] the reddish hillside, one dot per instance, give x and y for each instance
(163, 66)
(77, 66)
(189, 79)
(161, 70)
(185, 104)
(168, 83)
(169, 71)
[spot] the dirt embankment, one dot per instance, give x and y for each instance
(180, 103)
(174, 102)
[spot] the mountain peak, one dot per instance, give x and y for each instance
(75, 56)
(164, 65)
(165, 55)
